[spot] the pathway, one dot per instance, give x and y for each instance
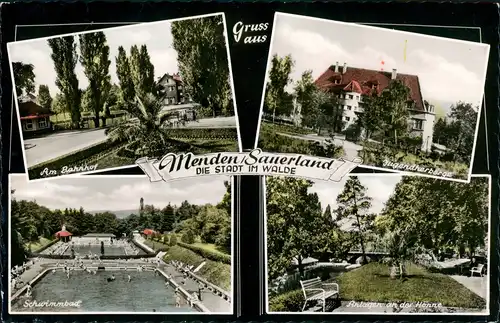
(213, 302)
(351, 149)
(478, 285)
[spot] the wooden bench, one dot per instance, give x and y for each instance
(315, 290)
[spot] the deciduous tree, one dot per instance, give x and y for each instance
(124, 75)
(94, 57)
(142, 71)
(24, 78)
(44, 98)
(203, 62)
(65, 57)
(277, 100)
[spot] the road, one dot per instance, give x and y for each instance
(39, 150)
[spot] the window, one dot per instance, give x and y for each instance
(179, 87)
(350, 96)
(348, 107)
(418, 124)
(28, 125)
(42, 123)
(347, 119)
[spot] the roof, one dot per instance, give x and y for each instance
(176, 77)
(360, 80)
(29, 110)
(100, 235)
(173, 107)
(63, 233)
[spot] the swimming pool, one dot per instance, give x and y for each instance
(86, 292)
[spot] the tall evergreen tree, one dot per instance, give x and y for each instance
(124, 75)
(44, 98)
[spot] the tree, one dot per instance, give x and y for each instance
(204, 63)
(354, 203)
(44, 98)
(305, 90)
(94, 57)
(142, 71)
(173, 240)
(371, 120)
(24, 78)
(168, 219)
(145, 128)
(187, 237)
(65, 58)
(328, 213)
(294, 221)
(463, 125)
(124, 75)
(279, 77)
(394, 103)
(225, 204)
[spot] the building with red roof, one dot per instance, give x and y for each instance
(351, 84)
(34, 118)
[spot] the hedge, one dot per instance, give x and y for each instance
(45, 247)
(203, 133)
(220, 257)
(288, 302)
(71, 159)
(214, 272)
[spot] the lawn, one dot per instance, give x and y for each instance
(372, 283)
(36, 245)
(210, 247)
(155, 245)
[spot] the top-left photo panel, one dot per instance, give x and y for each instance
(99, 100)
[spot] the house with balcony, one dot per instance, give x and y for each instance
(352, 84)
(171, 87)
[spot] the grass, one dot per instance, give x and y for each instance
(36, 245)
(209, 247)
(372, 283)
(112, 160)
(214, 272)
(155, 245)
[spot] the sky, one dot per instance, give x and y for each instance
(449, 70)
(156, 36)
(96, 193)
(379, 188)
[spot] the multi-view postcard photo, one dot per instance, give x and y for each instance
(397, 100)
(378, 244)
(120, 244)
(102, 99)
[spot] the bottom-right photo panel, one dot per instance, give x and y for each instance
(377, 244)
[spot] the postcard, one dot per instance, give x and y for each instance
(100, 99)
(378, 244)
(399, 101)
(82, 244)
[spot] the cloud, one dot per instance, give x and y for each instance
(449, 70)
(120, 193)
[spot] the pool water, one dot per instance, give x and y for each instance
(146, 292)
(83, 250)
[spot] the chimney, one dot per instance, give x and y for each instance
(394, 74)
(344, 68)
(336, 67)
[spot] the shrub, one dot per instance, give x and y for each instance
(188, 237)
(173, 240)
(220, 257)
(45, 247)
(214, 272)
(73, 159)
(288, 302)
(203, 133)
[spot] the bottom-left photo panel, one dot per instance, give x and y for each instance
(120, 245)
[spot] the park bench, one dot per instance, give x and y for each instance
(315, 290)
(477, 270)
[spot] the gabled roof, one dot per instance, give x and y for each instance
(361, 80)
(31, 109)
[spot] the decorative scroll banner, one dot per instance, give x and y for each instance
(256, 162)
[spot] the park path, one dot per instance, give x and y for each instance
(351, 150)
(211, 301)
(477, 285)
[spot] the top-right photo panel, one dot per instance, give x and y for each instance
(395, 100)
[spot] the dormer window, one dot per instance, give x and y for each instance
(336, 81)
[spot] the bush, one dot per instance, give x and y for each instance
(203, 133)
(173, 240)
(44, 247)
(220, 257)
(284, 128)
(214, 272)
(288, 302)
(188, 237)
(72, 159)
(273, 142)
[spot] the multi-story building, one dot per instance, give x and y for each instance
(352, 84)
(172, 88)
